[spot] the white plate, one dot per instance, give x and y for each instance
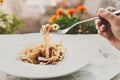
(79, 52)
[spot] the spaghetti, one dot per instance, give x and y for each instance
(45, 53)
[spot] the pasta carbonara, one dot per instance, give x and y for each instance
(45, 53)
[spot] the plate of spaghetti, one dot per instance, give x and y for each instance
(44, 55)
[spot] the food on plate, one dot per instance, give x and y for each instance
(44, 53)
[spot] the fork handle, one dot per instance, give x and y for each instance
(115, 13)
(91, 19)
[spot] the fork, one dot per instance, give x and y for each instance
(83, 21)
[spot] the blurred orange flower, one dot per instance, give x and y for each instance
(81, 8)
(53, 18)
(71, 11)
(1, 1)
(60, 11)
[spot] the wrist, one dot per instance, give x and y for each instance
(116, 44)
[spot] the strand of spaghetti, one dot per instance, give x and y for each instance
(47, 44)
(46, 36)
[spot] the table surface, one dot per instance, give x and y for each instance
(73, 76)
(68, 77)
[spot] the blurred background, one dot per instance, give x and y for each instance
(30, 15)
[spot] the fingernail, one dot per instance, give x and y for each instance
(101, 10)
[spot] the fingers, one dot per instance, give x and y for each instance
(103, 34)
(98, 23)
(103, 31)
(103, 28)
(111, 9)
(106, 15)
(100, 26)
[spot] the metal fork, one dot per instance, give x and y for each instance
(91, 19)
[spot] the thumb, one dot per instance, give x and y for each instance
(107, 15)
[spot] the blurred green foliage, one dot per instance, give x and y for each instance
(64, 21)
(85, 28)
(67, 17)
(9, 23)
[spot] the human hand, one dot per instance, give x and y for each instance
(112, 31)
